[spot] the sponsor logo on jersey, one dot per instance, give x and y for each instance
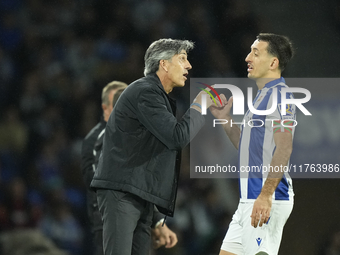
(259, 240)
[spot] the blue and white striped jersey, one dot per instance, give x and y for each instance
(257, 146)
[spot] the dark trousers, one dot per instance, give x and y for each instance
(98, 241)
(96, 222)
(126, 222)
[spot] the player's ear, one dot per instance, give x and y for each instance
(274, 63)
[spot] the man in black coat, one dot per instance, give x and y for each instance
(139, 164)
(88, 163)
(91, 148)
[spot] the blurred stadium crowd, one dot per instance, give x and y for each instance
(55, 58)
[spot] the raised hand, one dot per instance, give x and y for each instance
(222, 112)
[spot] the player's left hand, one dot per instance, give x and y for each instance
(162, 235)
(261, 210)
(221, 111)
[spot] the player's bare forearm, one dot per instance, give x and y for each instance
(233, 132)
(270, 186)
(223, 112)
(280, 160)
(263, 203)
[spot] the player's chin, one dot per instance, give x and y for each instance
(250, 76)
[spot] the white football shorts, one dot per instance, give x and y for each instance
(243, 239)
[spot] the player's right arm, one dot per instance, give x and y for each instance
(233, 132)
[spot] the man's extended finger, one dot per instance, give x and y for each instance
(218, 101)
(256, 219)
(262, 219)
(224, 99)
(267, 217)
(230, 101)
(253, 221)
(253, 216)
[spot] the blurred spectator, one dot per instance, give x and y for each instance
(61, 226)
(10, 32)
(13, 132)
(81, 58)
(7, 72)
(110, 46)
(16, 211)
(28, 242)
(32, 100)
(146, 13)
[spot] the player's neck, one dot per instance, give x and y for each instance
(261, 82)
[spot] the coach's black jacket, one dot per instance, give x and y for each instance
(91, 149)
(141, 142)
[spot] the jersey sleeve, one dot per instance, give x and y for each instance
(283, 122)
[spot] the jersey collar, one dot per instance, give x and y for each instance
(274, 82)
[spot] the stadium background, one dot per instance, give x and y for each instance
(56, 56)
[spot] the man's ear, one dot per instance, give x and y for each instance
(104, 107)
(164, 64)
(274, 64)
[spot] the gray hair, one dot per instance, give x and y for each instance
(163, 49)
(113, 85)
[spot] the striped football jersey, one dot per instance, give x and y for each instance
(257, 146)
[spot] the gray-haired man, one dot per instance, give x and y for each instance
(139, 164)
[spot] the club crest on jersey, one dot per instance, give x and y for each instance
(290, 109)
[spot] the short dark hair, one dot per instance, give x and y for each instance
(279, 46)
(163, 49)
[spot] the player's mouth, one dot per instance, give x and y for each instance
(250, 68)
(185, 76)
